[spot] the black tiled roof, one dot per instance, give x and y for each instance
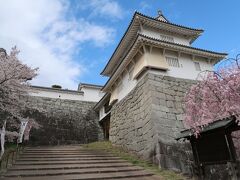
(185, 46)
(154, 19)
(118, 44)
(194, 29)
(150, 38)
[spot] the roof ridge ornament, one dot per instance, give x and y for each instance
(160, 16)
(160, 13)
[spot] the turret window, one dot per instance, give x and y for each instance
(197, 66)
(173, 61)
(130, 74)
(120, 86)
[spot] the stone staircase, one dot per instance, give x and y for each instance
(72, 162)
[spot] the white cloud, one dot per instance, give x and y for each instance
(105, 8)
(48, 37)
(145, 6)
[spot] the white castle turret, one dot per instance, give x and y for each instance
(149, 72)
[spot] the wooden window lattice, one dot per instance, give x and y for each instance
(173, 61)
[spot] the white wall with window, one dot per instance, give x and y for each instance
(184, 66)
(172, 61)
(179, 65)
(197, 66)
(125, 85)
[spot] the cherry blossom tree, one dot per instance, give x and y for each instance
(215, 96)
(14, 78)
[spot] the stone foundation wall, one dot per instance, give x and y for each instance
(148, 120)
(167, 95)
(167, 113)
(130, 122)
(63, 121)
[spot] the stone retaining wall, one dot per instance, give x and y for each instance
(130, 122)
(167, 95)
(148, 120)
(63, 121)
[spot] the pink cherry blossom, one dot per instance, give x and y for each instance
(216, 96)
(14, 78)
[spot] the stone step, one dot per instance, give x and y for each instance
(52, 150)
(66, 166)
(72, 162)
(154, 177)
(67, 162)
(54, 172)
(66, 159)
(63, 153)
(92, 176)
(45, 152)
(61, 156)
(56, 149)
(57, 152)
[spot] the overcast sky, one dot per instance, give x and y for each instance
(71, 41)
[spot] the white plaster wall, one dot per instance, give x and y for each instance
(128, 83)
(154, 59)
(140, 63)
(157, 34)
(102, 113)
(92, 94)
(124, 87)
(54, 94)
(187, 69)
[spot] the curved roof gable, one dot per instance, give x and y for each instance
(130, 34)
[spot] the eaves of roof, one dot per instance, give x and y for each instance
(89, 85)
(110, 78)
(185, 27)
(166, 43)
(184, 46)
(224, 123)
(120, 42)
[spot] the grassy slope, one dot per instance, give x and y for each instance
(108, 147)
